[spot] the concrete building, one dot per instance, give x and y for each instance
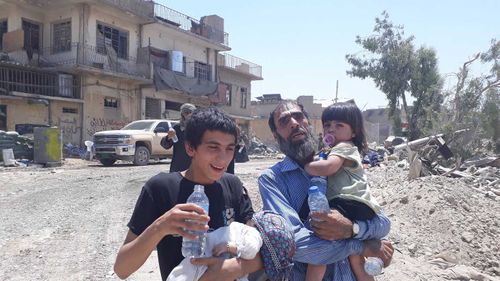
(268, 102)
(72, 64)
(92, 65)
(236, 76)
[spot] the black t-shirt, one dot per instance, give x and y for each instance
(228, 200)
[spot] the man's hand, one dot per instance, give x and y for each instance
(331, 226)
(218, 269)
(379, 248)
(171, 133)
(174, 221)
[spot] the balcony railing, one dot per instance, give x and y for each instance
(16, 79)
(140, 8)
(188, 23)
(82, 54)
(241, 65)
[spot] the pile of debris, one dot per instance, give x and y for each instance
(444, 211)
(443, 228)
(22, 146)
(258, 149)
(432, 156)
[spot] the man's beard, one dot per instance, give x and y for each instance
(301, 150)
(182, 123)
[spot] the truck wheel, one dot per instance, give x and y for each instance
(107, 161)
(141, 156)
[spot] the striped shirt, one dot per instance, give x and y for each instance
(283, 189)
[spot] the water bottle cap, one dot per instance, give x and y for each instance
(313, 189)
(199, 187)
(323, 155)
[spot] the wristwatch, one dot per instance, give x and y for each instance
(355, 229)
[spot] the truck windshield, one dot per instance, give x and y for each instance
(140, 125)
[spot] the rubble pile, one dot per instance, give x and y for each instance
(432, 156)
(21, 145)
(443, 228)
(445, 212)
(258, 149)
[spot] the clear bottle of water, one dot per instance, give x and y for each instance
(374, 266)
(174, 138)
(317, 201)
(319, 181)
(196, 248)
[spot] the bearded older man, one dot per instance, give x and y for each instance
(180, 159)
(284, 189)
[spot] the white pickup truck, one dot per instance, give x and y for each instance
(137, 142)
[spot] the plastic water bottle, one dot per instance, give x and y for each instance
(174, 138)
(319, 181)
(317, 201)
(374, 266)
(196, 248)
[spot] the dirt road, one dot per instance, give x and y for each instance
(67, 223)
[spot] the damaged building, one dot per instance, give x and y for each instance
(88, 66)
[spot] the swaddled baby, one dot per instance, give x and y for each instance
(270, 236)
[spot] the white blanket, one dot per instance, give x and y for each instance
(246, 238)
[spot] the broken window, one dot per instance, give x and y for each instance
(110, 102)
(244, 96)
(184, 65)
(229, 90)
(3, 29)
(114, 38)
(172, 105)
(3, 117)
(153, 108)
(32, 35)
(70, 110)
(61, 36)
(202, 70)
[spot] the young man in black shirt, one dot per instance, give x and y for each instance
(180, 158)
(159, 217)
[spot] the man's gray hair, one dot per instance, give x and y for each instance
(187, 108)
(280, 105)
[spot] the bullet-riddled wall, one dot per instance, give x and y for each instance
(67, 116)
(22, 111)
(109, 105)
(167, 38)
(16, 14)
(113, 19)
(237, 82)
(39, 111)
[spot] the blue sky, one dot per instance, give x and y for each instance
(301, 45)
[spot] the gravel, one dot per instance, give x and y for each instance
(67, 223)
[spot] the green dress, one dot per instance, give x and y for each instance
(350, 182)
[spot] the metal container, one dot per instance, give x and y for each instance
(48, 146)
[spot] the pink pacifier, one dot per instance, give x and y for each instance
(329, 140)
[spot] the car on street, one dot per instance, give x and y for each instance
(138, 142)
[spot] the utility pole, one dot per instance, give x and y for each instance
(336, 93)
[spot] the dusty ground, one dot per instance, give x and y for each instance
(67, 223)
